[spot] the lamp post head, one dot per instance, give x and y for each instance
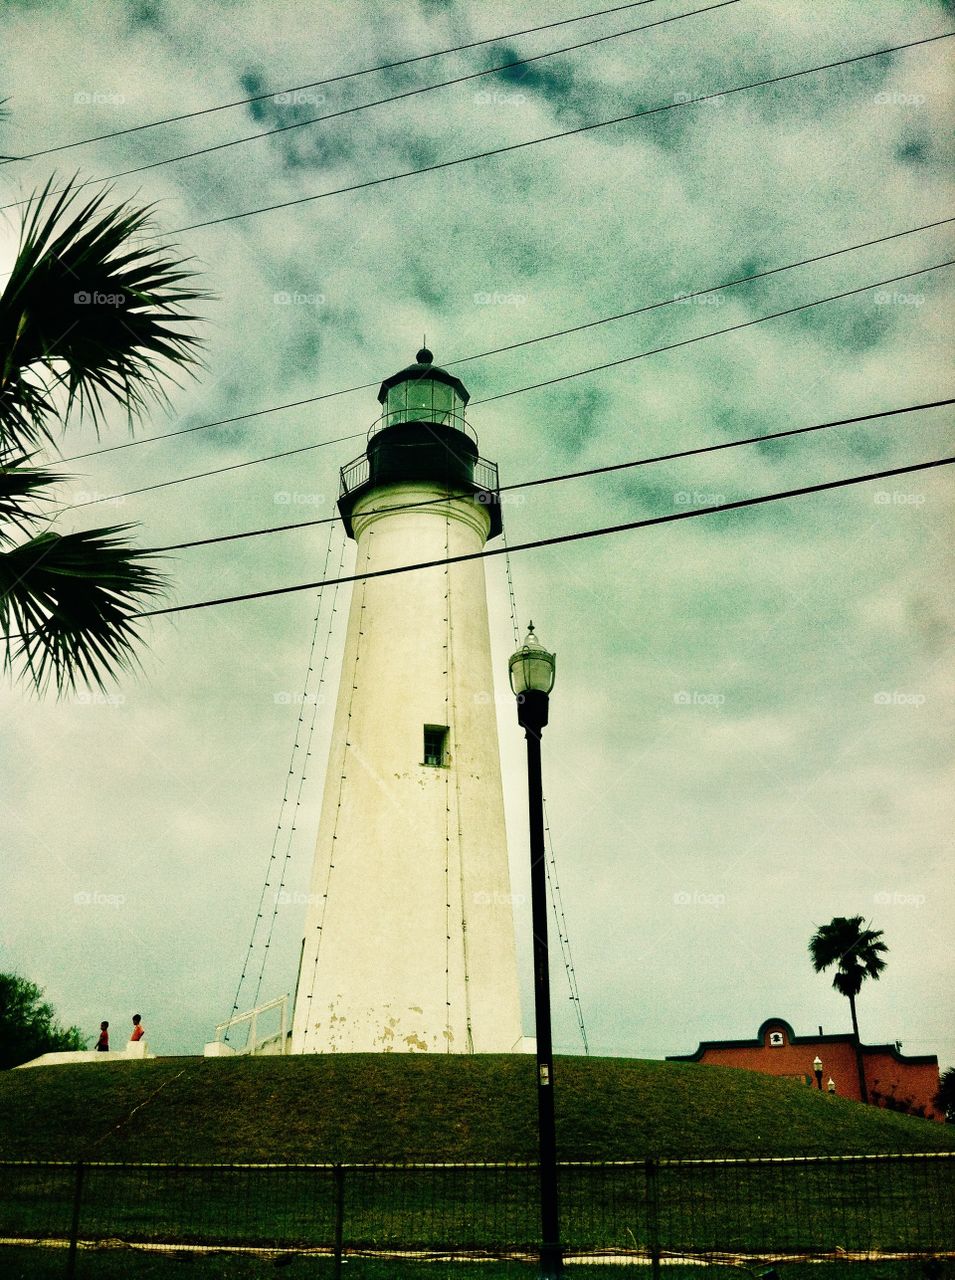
(817, 1063)
(531, 670)
(831, 1086)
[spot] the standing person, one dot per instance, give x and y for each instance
(138, 1029)
(102, 1044)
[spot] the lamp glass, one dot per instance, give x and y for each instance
(532, 666)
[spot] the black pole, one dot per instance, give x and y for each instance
(532, 714)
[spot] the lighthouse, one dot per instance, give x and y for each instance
(409, 934)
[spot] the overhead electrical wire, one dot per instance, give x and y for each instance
(317, 84)
(715, 333)
(640, 355)
(557, 539)
(570, 475)
(379, 102)
(679, 298)
(564, 133)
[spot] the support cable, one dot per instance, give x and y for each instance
(273, 853)
(333, 851)
(316, 699)
(557, 903)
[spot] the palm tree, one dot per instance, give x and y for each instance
(857, 954)
(84, 321)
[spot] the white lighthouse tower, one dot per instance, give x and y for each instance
(409, 934)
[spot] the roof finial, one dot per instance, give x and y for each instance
(424, 356)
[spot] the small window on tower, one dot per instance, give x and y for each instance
(435, 745)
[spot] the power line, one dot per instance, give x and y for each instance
(569, 475)
(743, 324)
(640, 355)
(316, 84)
(526, 342)
(559, 538)
(216, 471)
(565, 133)
(379, 102)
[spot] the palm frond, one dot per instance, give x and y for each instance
(68, 606)
(22, 486)
(855, 951)
(93, 307)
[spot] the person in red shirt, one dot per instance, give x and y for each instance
(102, 1044)
(138, 1029)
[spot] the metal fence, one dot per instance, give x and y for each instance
(734, 1210)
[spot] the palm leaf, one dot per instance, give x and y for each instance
(68, 606)
(91, 306)
(20, 487)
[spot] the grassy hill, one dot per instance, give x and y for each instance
(358, 1107)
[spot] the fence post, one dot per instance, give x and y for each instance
(75, 1221)
(653, 1217)
(338, 1175)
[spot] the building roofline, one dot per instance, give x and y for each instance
(838, 1037)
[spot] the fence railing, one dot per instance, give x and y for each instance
(743, 1209)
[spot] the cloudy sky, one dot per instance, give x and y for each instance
(748, 734)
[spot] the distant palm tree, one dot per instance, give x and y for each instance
(857, 954)
(84, 320)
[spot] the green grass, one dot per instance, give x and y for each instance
(366, 1107)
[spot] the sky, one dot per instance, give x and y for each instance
(751, 727)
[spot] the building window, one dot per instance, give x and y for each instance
(435, 745)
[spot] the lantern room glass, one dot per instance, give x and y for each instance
(423, 400)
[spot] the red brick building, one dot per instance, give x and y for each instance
(893, 1079)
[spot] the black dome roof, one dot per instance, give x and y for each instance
(424, 368)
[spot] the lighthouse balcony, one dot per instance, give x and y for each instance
(419, 456)
(480, 477)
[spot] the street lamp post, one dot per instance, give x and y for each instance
(817, 1070)
(531, 671)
